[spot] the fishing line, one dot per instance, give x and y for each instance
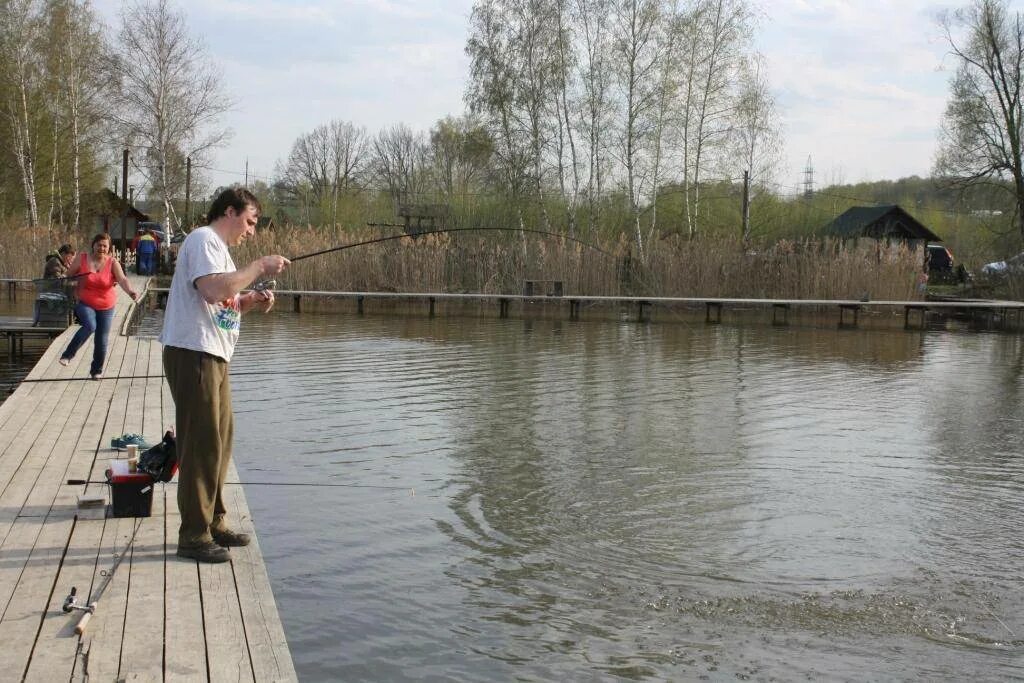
(304, 484)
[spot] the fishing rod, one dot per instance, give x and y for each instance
(71, 602)
(439, 231)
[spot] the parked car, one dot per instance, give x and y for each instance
(942, 266)
(939, 260)
(1011, 266)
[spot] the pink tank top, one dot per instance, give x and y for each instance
(96, 290)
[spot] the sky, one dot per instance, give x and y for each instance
(860, 85)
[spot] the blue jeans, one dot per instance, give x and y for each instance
(92, 321)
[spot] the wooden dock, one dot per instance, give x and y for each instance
(158, 617)
(990, 314)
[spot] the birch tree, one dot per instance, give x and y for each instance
(23, 74)
(714, 43)
(81, 59)
(755, 140)
(635, 49)
(591, 19)
(492, 95)
(171, 96)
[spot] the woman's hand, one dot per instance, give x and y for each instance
(133, 294)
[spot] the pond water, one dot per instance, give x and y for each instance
(544, 500)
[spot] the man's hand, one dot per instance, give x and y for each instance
(261, 300)
(273, 265)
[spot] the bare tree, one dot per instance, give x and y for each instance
(171, 96)
(399, 161)
(323, 164)
(981, 139)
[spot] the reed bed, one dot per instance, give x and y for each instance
(496, 263)
(500, 263)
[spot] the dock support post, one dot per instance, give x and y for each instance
(843, 308)
(359, 305)
(297, 303)
(923, 310)
(574, 309)
(431, 314)
(11, 292)
(642, 314)
(785, 314)
(503, 307)
(708, 307)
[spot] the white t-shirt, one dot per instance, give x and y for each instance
(189, 321)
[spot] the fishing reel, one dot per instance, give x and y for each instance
(264, 285)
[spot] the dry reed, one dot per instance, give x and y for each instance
(500, 263)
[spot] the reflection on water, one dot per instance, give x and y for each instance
(546, 499)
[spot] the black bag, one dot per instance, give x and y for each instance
(160, 461)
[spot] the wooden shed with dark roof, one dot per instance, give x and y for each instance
(879, 222)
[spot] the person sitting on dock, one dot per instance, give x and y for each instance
(201, 324)
(58, 262)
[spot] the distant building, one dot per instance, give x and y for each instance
(113, 215)
(881, 223)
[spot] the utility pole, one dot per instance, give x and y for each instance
(124, 174)
(746, 205)
(127, 208)
(188, 191)
(247, 173)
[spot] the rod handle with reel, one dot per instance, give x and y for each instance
(71, 604)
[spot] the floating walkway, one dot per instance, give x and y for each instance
(158, 617)
(987, 313)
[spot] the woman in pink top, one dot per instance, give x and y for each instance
(97, 273)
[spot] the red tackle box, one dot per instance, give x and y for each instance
(131, 493)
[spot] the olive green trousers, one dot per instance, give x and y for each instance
(204, 422)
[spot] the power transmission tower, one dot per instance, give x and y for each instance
(809, 178)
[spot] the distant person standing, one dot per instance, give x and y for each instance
(201, 324)
(146, 246)
(96, 273)
(58, 262)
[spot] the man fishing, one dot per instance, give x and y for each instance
(201, 324)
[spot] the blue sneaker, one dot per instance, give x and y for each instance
(126, 440)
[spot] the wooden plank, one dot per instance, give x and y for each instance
(184, 631)
(227, 654)
(103, 638)
(79, 562)
(145, 613)
(271, 659)
(23, 616)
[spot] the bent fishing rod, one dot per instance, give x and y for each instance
(440, 231)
